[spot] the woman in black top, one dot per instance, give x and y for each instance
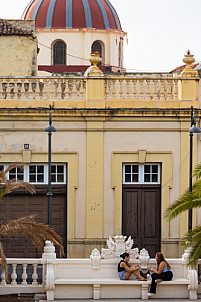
(125, 270)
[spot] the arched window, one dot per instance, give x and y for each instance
(98, 46)
(59, 53)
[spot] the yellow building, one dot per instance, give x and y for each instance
(120, 155)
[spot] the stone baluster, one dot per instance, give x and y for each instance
(162, 90)
(24, 274)
(33, 89)
(74, 89)
(169, 90)
(121, 89)
(148, 97)
(128, 89)
(37, 93)
(63, 88)
(135, 89)
(22, 96)
(107, 91)
(113, 89)
(155, 90)
(35, 275)
(3, 278)
(11, 88)
(14, 275)
(51, 88)
(1, 88)
(5, 89)
(30, 91)
(67, 88)
(19, 89)
(81, 88)
(15, 90)
(26, 89)
(59, 90)
(45, 89)
(176, 90)
(48, 89)
(141, 82)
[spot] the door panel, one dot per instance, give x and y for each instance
(142, 216)
(19, 204)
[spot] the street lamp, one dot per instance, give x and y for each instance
(193, 129)
(49, 129)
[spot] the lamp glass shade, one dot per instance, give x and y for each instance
(50, 129)
(194, 129)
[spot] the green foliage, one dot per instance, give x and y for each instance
(187, 201)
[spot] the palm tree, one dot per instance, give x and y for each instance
(27, 226)
(187, 201)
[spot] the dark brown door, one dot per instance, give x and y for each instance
(142, 216)
(19, 204)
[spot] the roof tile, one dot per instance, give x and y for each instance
(9, 29)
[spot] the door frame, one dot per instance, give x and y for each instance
(141, 157)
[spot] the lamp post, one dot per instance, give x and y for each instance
(49, 129)
(193, 129)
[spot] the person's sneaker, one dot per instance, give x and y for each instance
(158, 280)
(150, 294)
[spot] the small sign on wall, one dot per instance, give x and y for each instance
(26, 146)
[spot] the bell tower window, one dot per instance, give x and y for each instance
(59, 53)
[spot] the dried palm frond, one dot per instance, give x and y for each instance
(13, 166)
(7, 186)
(3, 260)
(29, 227)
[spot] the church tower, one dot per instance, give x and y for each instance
(68, 30)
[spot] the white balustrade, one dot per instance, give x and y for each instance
(24, 273)
(142, 89)
(42, 88)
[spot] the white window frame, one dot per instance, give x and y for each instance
(141, 174)
(26, 173)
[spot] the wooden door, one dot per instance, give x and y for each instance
(19, 204)
(142, 216)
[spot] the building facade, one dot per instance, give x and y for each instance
(120, 155)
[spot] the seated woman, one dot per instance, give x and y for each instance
(163, 273)
(125, 270)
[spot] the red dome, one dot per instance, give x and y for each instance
(98, 14)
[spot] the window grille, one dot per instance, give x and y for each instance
(59, 53)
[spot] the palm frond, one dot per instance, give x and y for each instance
(7, 186)
(197, 171)
(193, 239)
(37, 232)
(192, 236)
(3, 260)
(184, 203)
(13, 166)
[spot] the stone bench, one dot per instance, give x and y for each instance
(97, 277)
(113, 288)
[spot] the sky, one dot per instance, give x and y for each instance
(159, 31)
